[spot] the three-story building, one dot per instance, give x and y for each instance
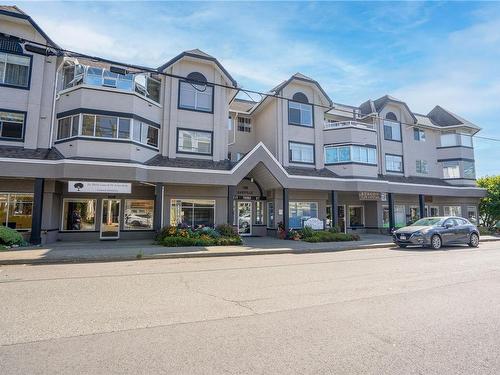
(93, 149)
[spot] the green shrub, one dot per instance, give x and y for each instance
(226, 230)
(9, 237)
(209, 232)
(306, 232)
(328, 236)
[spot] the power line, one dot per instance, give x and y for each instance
(263, 95)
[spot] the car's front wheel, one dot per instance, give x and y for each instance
(436, 242)
(402, 246)
(474, 240)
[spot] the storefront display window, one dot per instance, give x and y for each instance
(138, 214)
(79, 215)
(259, 213)
(16, 210)
(385, 217)
(300, 212)
(356, 218)
(414, 214)
(399, 216)
(270, 214)
(192, 212)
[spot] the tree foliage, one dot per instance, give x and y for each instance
(489, 206)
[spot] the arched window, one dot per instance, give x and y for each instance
(300, 97)
(392, 128)
(195, 93)
(391, 116)
(300, 111)
(15, 66)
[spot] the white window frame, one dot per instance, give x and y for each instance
(4, 57)
(301, 107)
(300, 150)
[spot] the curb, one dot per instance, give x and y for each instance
(128, 258)
(76, 260)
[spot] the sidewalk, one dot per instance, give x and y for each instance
(107, 251)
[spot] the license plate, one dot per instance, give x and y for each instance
(402, 237)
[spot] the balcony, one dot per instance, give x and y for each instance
(329, 124)
(141, 83)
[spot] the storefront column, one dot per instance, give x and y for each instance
(158, 215)
(36, 218)
(421, 205)
(390, 199)
(286, 213)
(231, 193)
(334, 200)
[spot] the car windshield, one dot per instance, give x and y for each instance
(427, 221)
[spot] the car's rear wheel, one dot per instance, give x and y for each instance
(436, 242)
(402, 246)
(474, 240)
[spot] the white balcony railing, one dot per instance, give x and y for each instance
(345, 124)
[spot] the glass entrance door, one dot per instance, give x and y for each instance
(245, 218)
(110, 219)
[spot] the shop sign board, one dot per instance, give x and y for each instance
(372, 196)
(99, 187)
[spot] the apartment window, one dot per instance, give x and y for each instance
(469, 169)
(15, 69)
(422, 167)
(392, 130)
(145, 133)
(350, 153)
(12, 125)
(259, 213)
(418, 134)
(300, 111)
(244, 124)
(194, 141)
(451, 169)
(301, 211)
(270, 214)
(68, 127)
(139, 214)
(452, 211)
(192, 212)
(195, 94)
(356, 216)
(16, 210)
(79, 214)
(301, 153)
(455, 139)
(393, 163)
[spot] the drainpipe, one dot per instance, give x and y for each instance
(51, 133)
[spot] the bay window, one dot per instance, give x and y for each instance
(68, 127)
(15, 70)
(350, 154)
(301, 211)
(195, 94)
(12, 125)
(451, 169)
(469, 169)
(455, 139)
(192, 212)
(145, 133)
(393, 163)
(194, 141)
(301, 153)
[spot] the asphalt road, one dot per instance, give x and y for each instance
(379, 311)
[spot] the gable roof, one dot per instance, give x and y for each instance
(381, 102)
(443, 117)
(301, 77)
(198, 54)
(14, 11)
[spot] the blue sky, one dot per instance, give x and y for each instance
(425, 53)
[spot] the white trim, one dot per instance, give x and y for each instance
(238, 217)
(227, 172)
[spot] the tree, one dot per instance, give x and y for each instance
(489, 206)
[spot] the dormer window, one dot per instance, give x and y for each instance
(196, 94)
(300, 112)
(15, 67)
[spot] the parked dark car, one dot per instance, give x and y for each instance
(435, 232)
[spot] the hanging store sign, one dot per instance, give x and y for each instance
(99, 187)
(372, 196)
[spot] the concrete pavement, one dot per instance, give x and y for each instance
(104, 251)
(375, 311)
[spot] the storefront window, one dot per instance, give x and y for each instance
(270, 214)
(192, 212)
(414, 213)
(472, 214)
(79, 214)
(138, 214)
(16, 210)
(452, 211)
(259, 213)
(300, 212)
(399, 216)
(431, 211)
(385, 217)
(356, 216)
